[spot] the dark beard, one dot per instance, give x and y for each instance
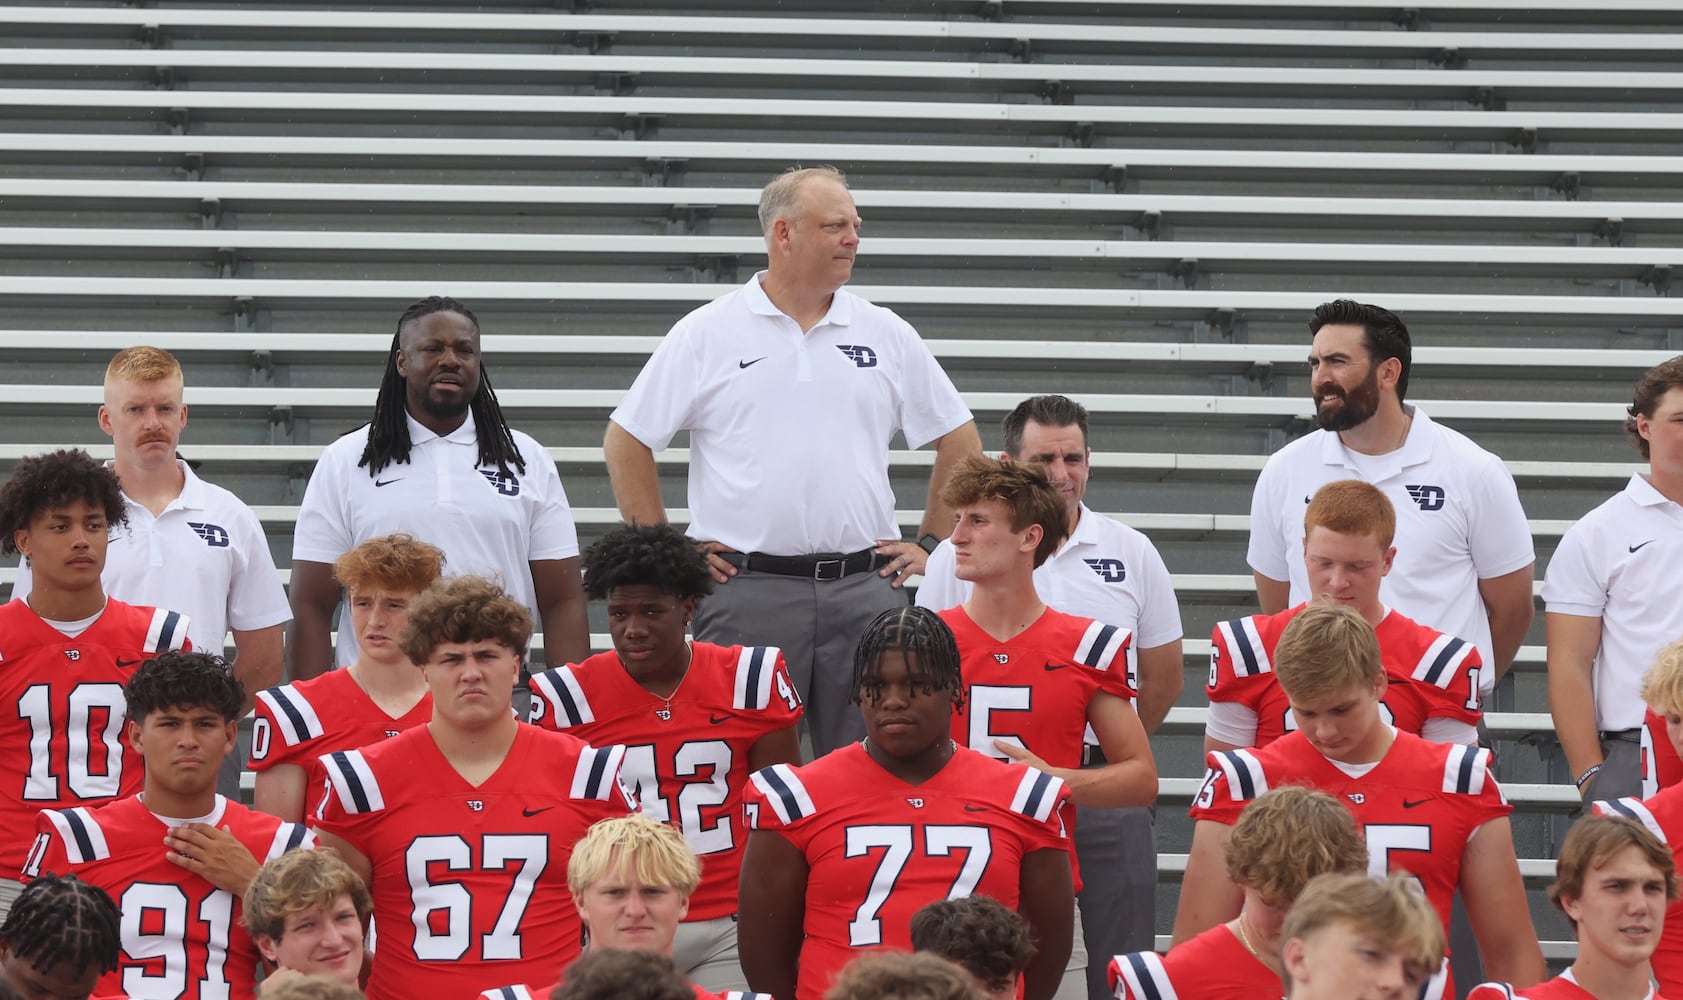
(1359, 405)
(443, 410)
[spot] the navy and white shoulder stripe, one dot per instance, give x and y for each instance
(1037, 794)
(1633, 809)
(558, 690)
(508, 993)
(1465, 769)
(288, 837)
(1487, 991)
(293, 714)
(1245, 778)
(596, 775)
(84, 839)
(1244, 642)
(741, 995)
(167, 631)
(755, 668)
(1442, 660)
(784, 791)
(353, 781)
(1101, 644)
(1141, 976)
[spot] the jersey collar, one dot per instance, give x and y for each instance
(1643, 493)
(841, 303)
(420, 434)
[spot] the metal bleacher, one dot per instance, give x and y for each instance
(1136, 202)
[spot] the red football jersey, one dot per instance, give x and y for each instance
(1661, 767)
(297, 723)
(877, 848)
(1663, 816)
(1430, 674)
(1215, 965)
(470, 883)
(1561, 987)
(1417, 806)
(182, 938)
(686, 758)
(67, 746)
(1033, 690)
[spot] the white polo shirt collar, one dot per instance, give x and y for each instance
(759, 303)
(1643, 494)
(1416, 448)
(191, 497)
(1086, 531)
(420, 433)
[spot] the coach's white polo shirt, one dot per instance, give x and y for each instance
(789, 431)
(205, 555)
(1620, 563)
(1459, 521)
(488, 524)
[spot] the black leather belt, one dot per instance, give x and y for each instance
(821, 566)
(1625, 735)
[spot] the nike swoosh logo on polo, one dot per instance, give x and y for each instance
(1419, 802)
(529, 813)
(750, 364)
(127, 663)
(388, 482)
(1056, 666)
(717, 719)
(1650, 541)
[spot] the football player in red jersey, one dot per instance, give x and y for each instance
(68, 649)
(1433, 809)
(843, 851)
(60, 937)
(1349, 937)
(462, 827)
(981, 937)
(307, 910)
(178, 856)
(694, 719)
(1662, 814)
(375, 698)
(1283, 839)
(633, 878)
(1036, 679)
(1432, 679)
(1613, 881)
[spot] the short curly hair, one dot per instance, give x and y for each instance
(464, 609)
(1645, 400)
(978, 933)
(389, 562)
(623, 974)
(653, 555)
(1287, 836)
(1025, 490)
(894, 975)
(180, 679)
(57, 478)
(297, 881)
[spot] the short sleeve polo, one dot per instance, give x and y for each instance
(1619, 563)
(487, 523)
(789, 431)
(1459, 521)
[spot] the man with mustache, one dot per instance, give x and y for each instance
(438, 462)
(1464, 555)
(188, 545)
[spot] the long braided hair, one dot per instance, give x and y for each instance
(60, 918)
(388, 432)
(920, 635)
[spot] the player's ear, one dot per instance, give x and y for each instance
(1292, 958)
(1390, 557)
(133, 729)
(105, 421)
(231, 731)
(269, 948)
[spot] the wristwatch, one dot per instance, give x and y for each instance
(928, 542)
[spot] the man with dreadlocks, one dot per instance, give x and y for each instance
(694, 717)
(438, 462)
(178, 857)
(60, 937)
(845, 850)
(67, 648)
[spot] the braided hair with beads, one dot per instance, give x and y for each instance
(388, 431)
